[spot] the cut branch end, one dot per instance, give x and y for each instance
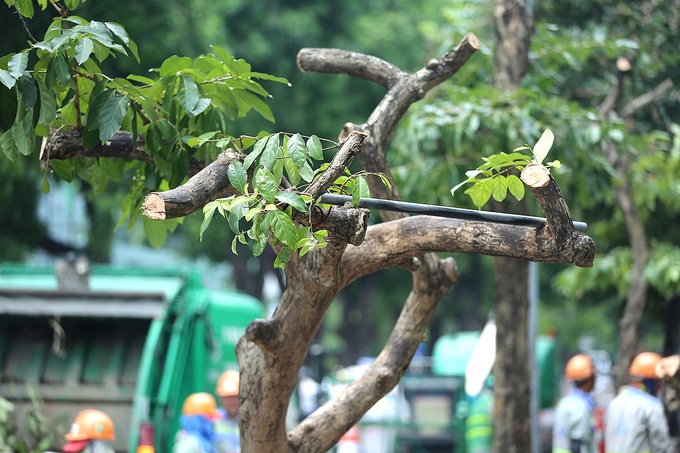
(535, 175)
(154, 207)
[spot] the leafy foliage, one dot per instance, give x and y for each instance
(267, 207)
(493, 178)
(65, 89)
(33, 432)
(184, 113)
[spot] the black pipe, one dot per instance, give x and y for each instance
(443, 211)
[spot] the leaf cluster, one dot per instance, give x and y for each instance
(57, 83)
(36, 432)
(493, 177)
(280, 165)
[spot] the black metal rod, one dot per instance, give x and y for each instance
(443, 211)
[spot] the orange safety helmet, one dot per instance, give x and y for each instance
(228, 383)
(644, 365)
(200, 403)
(89, 424)
(579, 368)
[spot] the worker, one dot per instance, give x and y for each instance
(91, 432)
(635, 420)
(479, 421)
(227, 435)
(196, 433)
(573, 431)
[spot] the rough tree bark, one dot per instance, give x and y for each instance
(272, 351)
(511, 427)
(620, 161)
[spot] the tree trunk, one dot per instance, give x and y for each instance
(511, 433)
(511, 424)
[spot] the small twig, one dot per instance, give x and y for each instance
(23, 22)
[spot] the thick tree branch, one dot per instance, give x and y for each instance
(69, 145)
(323, 428)
(205, 186)
(336, 61)
(212, 183)
(404, 90)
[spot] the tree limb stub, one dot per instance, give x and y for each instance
(336, 61)
(207, 185)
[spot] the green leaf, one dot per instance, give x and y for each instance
(84, 48)
(25, 7)
(264, 181)
(201, 106)
(293, 200)
(72, 4)
(111, 116)
(282, 258)
(499, 188)
(7, 145)
(45, 185)
(17, 64)
(361, 190)
(119, 31)
(58, 68)
(238, 177)
(208, 213)
(97, 102)
(48, 104)
(292, 171)
(188, 93)
(297, 150)
(306, 172)
(314, 148)
(283, 228)
(28, 90)
(173, 65)
(515, 186)
(543, 145)
(252, 100)
(156, 231)
(23, 132)
(480, 192)
(255, 153)
(271, 150)
(7, 79)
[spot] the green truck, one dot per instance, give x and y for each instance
(131, 342)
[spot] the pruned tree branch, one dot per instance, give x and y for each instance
(336, 61)
(68, 144)
(205, 186)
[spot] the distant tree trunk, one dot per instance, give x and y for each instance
(511, 391)
(356, 326)
(671, 344)
(619, 159)
(511, 427)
